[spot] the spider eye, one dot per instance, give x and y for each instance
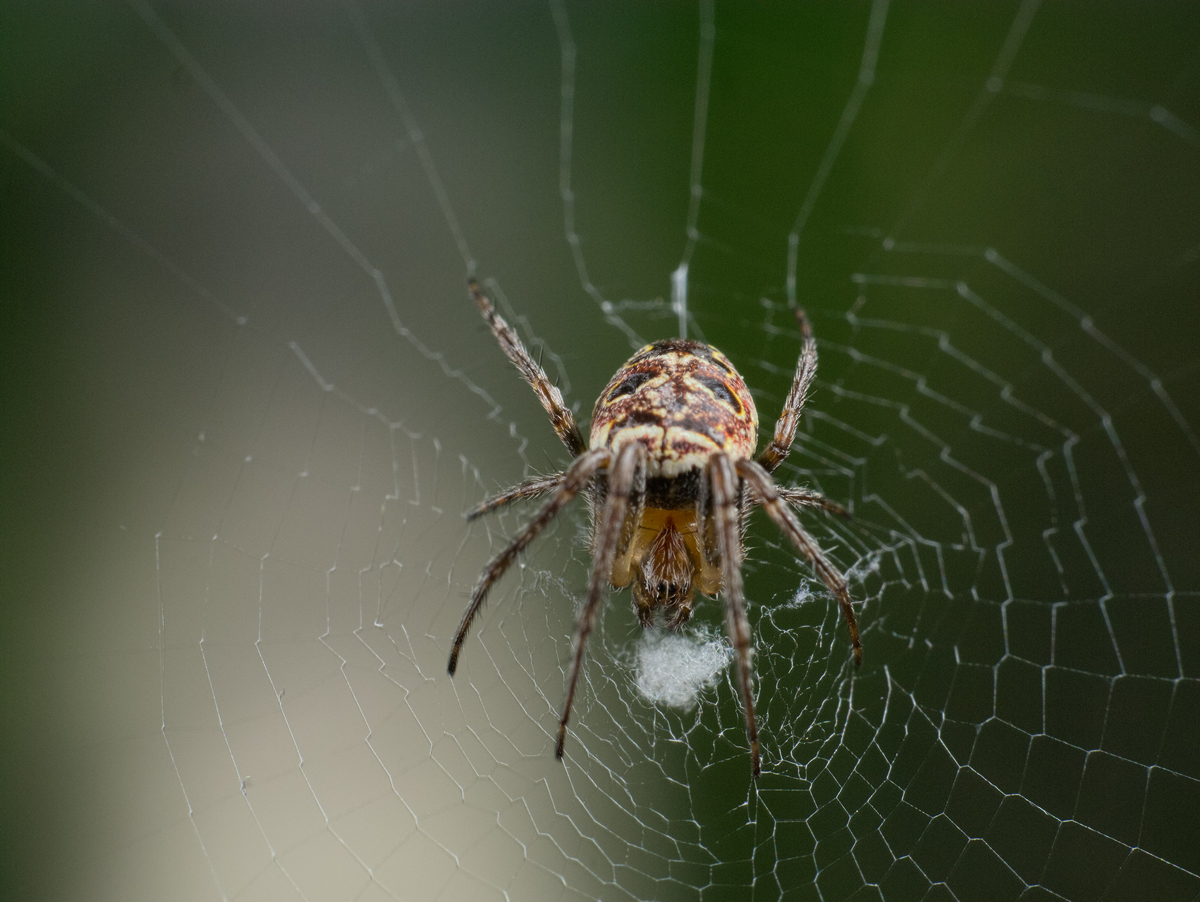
(630, 385)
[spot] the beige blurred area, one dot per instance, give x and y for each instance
(250, 697)
(311, 567)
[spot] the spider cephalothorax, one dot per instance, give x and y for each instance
(667, 469)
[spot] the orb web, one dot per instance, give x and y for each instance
(295, 402)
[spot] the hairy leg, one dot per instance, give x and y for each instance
(530, 488)
(577, 477)
(785, 427)
(622, 477)
(727, 522)
(552, 400)
(773, 503)
(808, 498)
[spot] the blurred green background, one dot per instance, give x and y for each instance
(245, 398)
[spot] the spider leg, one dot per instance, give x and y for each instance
(726, 494)
(706, 521)
(808, 498)
(622, 567)
(773, 503)
(623, 477)
(577, 477)
(785, 427)
(552, 400)
(530, 488)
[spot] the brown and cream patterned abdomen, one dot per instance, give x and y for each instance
(682, 400)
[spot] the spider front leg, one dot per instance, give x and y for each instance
(726, 494)
(623, 476)
(768, 495)
(785, 428)
(552, 400)
(577, 477)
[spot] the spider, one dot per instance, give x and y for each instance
(667, 468)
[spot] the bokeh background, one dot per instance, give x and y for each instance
(246, 399)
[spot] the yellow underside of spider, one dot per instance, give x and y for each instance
(667, 553)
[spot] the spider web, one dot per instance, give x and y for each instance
(249, 399)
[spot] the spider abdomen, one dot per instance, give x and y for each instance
(683, 401)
